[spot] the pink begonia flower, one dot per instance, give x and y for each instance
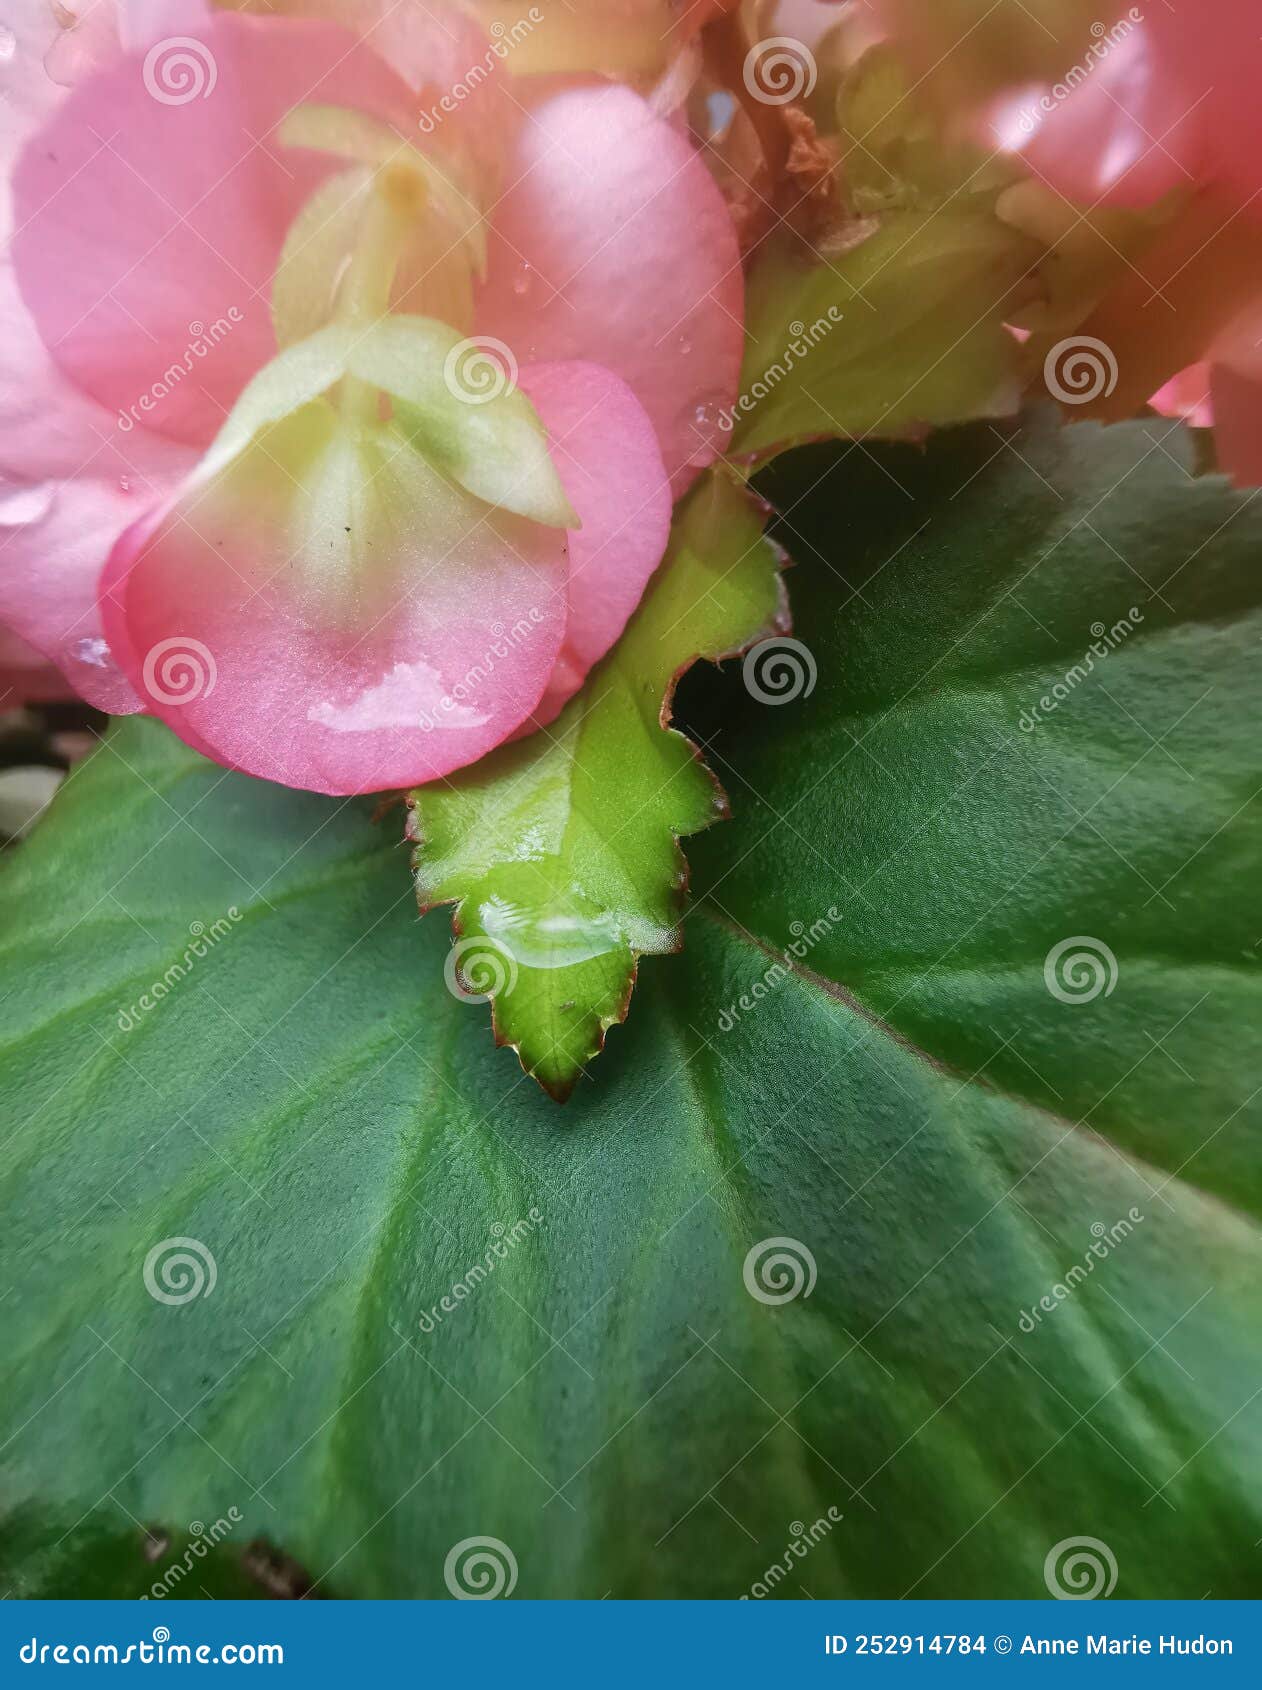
(1163, 98)
(343, 403)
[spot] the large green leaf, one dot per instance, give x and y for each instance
(561, 853)
(908, 1103)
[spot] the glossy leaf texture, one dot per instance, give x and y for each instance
(624, 1387)
(561, 853)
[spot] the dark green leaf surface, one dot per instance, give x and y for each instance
(934, 1132)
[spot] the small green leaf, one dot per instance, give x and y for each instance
(561, 852)
(897, 324)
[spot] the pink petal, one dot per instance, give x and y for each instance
(1120, 133)
(153, 206)
(606, 453)
(1186, 395)
(70, 482)
(439, 51)
(613, 245)
(1211, 51)
(277, 645)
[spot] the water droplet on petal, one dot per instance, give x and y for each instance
(22, 505)
(709, 428)
(524, 280)
(95, 652)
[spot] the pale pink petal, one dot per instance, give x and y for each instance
(70, 482)
(606, 453)
(152, 209)
(613, 245)
(338, 656)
